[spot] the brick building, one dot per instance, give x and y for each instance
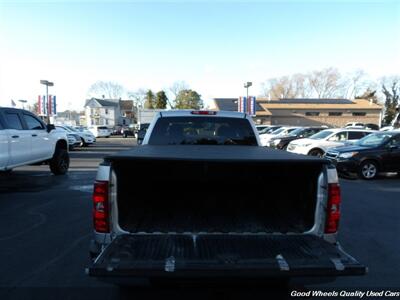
(305, 112)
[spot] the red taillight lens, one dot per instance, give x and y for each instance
(333, 208)
(203, 112)
(100, 207)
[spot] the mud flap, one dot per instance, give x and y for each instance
(177, 256)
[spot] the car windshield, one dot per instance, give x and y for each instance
(71, 128)
(374, 140)
(278, 131)
(297, 131)
(321, 135)
(202, 131)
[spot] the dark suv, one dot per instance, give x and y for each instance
(377, 152)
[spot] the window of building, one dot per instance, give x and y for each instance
(106, 122)
(106, 111)
(335, 113)
(312, 113)
(359, 114)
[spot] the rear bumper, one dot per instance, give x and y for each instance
(347, 167)
(166, 256)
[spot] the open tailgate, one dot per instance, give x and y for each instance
(163, 255)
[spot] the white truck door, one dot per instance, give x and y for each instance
(4, 154)
(20, 139)
(42, 145)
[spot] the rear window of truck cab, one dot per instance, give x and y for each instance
(202, 131)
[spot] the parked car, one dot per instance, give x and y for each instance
(377, 152)
(87, 138)
(217, 222)
(269, 129)
(142, 132)
(318, 144)
(85, 130)
(26, 139)
(281, 142)
(73, 141)
(77, 142)
(358, 125)
(262, 127)
(282, 131)
(128, 131)
(100, 131)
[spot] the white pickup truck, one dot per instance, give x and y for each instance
(213, 203)
(25, 139)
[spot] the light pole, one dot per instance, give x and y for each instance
(23, 101)
(247, 85)
(47, 84)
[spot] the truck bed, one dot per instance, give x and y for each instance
(211, 189)
(178, 256)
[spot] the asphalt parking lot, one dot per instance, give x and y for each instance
(46, 227)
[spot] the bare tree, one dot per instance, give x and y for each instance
(138, 97)
(327, 83)
(294, 86)
(391, 90)
(178, 86)
(106, 89)
(357, 84)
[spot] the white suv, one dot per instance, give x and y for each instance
(319, 143)
(100, 131)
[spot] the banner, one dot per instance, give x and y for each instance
(47, 106)
(247, 105)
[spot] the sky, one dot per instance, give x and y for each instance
(213, 46)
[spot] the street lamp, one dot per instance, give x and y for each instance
(246, 86)
(47, 84)
(23, 101)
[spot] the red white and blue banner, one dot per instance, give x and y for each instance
(47, 106)
(247, 105)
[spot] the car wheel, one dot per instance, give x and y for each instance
(316, 152)
(83, 143)
(59, 164)
(368, 170)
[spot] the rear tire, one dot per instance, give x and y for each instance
(59, 164)
(368, 170)
(316, 152)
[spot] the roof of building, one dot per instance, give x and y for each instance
(356, 104)
(263, 104)
(103, 102)
(231, 104)
(305, 101)
(126, 104)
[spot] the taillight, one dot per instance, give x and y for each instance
(101, 219)
(333, 208)
(203, 112)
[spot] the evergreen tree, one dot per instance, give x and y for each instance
(188, 99)
(161, 100)
(149, 100)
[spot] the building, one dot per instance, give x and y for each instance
(307, 112)
(109, 112)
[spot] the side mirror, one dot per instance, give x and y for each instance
(50, 127)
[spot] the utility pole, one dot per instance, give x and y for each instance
(47, 84)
